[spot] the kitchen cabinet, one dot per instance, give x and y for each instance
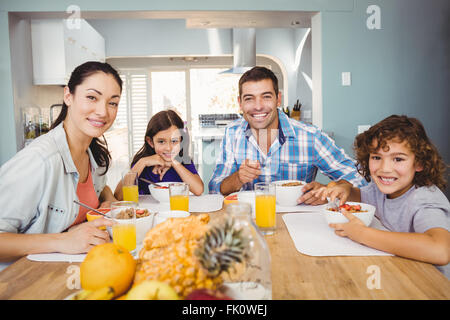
(58, 47)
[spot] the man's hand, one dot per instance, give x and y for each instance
(249, 171)
(310, 197)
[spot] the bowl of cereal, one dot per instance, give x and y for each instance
(362, 211)
(288, 192)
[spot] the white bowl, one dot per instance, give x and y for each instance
(142, 226)
(337, 217)
(288, 195)
(164, 215)
(247, 197)
(160, 194)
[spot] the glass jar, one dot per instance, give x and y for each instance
(250, 279)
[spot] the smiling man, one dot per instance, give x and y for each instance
(266, 145)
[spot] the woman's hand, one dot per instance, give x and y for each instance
(106, 204)
(353, 229)
(81, 238)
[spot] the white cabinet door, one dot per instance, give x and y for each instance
(58, 49)
(48, 50)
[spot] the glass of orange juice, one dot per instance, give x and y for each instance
(265, 207)
(124, 227)
(130, 189)
(179, 196)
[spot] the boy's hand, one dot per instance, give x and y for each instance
(352, 229)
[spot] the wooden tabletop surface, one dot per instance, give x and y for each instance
(294, 276)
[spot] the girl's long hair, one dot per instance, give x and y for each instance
(161, 121)
(99, 148)
(402, 128)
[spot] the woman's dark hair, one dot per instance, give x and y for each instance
(98, 147)
(258, 74)
(402, 128)
(161, 121)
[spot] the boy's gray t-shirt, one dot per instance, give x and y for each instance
(417, 210)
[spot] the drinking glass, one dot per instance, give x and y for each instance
(265, 200)
(179, 196)
(130, 188)
(124, 227)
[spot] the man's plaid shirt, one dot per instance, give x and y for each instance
(300, 150)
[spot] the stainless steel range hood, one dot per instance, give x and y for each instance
(244, 50)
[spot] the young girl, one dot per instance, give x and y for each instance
(163, 157)
(39, 184)
(406, 175)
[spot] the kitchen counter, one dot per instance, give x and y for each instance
(209, 133)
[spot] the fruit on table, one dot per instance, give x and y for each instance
(188, 254)
(230, 199)
(349, 208)
(152, 290)
(105, 293)
(206, 294)
(107, 265)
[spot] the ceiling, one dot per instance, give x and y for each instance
(198, 19)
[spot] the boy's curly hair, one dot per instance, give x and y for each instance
(399, 129)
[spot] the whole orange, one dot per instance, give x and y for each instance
(107, 265)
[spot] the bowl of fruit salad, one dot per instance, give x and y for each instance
(362, 211)
(160, 192)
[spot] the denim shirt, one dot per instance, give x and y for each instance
(38, 186)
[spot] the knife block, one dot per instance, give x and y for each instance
(295, 115)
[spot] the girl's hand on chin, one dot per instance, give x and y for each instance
(160, 170)
(154, 160)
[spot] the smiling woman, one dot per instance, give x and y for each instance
(66, 164)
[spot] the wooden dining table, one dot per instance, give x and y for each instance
(295, 276)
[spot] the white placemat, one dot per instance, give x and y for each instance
(62, 257)
(312, 236)
(203, 203)
(299, 208)
(57, 257)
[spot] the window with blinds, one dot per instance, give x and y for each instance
(138, 110)
(134, 112)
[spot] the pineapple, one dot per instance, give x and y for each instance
(187, 254)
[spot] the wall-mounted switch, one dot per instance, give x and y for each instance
(362, 128)
(346, 79)
(307, 114)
